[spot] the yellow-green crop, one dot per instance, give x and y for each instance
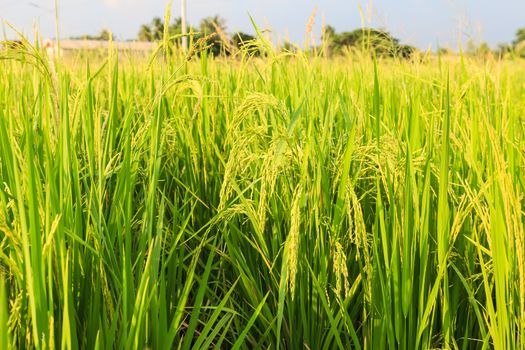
(282, 202)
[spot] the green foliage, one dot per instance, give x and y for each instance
(212, 29)
(152, 32)
(246, 43)
(285, 202)
(210, 25)
(377, 41)
(520, 37)
(104, 35)
(208, 31)
(155, 30)
(241, 39)
(504, 50)
(478, 49)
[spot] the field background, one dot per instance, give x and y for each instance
(291, 201)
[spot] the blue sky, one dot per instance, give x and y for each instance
(417, 22)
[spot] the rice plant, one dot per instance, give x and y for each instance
(286, 201)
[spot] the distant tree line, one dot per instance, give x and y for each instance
(378, 41)
(514, 49)
(518, 45)
(211, 32)
(104, 35)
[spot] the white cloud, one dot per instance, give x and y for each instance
(112, 3)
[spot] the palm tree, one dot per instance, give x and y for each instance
(520, 36)
(328, 33)
(145, 33)
(157, 28)
(210, 24)
(176, 26)
(153, 31)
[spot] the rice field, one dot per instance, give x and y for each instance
(290, 201)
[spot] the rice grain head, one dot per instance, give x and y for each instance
(292, 241)
(311, 22)
(341, 271)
